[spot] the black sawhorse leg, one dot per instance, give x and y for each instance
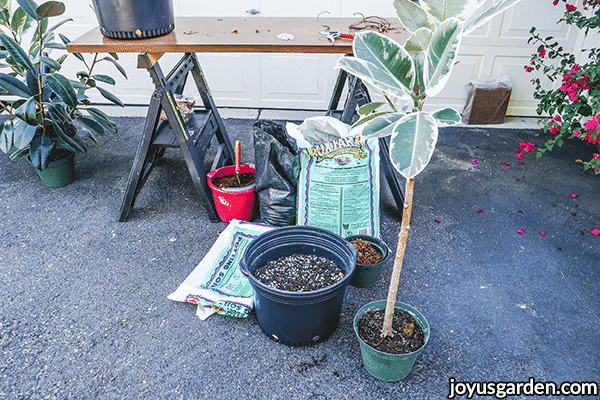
(192, 138)
(358, 95)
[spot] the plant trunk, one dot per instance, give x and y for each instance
(399, 258)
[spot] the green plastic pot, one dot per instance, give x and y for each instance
(366, 275)
(384, 366)
(58, 173)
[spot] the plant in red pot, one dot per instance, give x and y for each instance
(234, 190)
(47, 110)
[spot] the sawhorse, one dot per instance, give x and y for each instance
(193, 137)
(358, 95)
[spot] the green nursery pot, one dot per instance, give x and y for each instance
(384, 366)
(366, 275)
(58, 173)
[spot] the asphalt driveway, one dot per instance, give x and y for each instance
(83, 297)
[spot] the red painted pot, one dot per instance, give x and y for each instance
(233, 203)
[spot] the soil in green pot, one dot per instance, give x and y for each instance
(299, 273)
(367, 254)
(231, 181)
(408, 336)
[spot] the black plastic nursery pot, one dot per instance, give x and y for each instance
(366, 275)
(298, 318)
(134, 19)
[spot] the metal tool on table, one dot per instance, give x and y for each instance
(333, 35)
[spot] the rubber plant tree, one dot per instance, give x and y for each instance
(406, 75)
(43, 104)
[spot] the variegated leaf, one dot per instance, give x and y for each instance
(441, 55)
(413, 16)
(445, 9)
(412, 143)
(419, 41)
(488, 14)
(447, 116)
(373, 76)
(380, 126)
(386, 54)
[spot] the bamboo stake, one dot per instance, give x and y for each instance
(237, 153)
(398, 259)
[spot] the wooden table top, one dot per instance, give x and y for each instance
(235, 35)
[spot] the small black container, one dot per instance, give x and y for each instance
(298, 318)
(366, 275)
(134, 19)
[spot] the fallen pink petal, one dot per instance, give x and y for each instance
(574, 195)
(573, 213)
(475, 162)
(543, 233)
(479, 211)
(520, 231)
(505, 164)
(595, 232)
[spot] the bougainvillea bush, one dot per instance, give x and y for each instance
(573, 107)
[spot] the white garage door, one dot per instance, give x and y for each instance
(306, 81)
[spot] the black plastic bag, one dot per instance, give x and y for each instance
(277, 165)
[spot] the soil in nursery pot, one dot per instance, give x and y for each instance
(367, 254)
(231, 181)
(299, 273)
(408, 336)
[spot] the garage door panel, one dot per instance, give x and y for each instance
(286, 76)
(518, 20)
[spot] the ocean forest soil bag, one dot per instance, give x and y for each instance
(338, 187)
(217, 284)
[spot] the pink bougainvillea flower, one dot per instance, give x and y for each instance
(574, 195)
(475, 162)
(520, 155)
(479, 211)
(554, 129)
(542, 52)
(570, 8)
(528, 68)
(505, 164)
(543, 233)
(555, 2)
(591, 125)
(576, 133)
(558, 118)
(595, 232)
(520, 231)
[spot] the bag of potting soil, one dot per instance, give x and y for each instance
(277, 168)
(338, 187)
(216, 284)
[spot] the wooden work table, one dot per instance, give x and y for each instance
(235, 35)
(221, 35)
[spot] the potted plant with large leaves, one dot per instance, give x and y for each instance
(405, 75)
(47, 110)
